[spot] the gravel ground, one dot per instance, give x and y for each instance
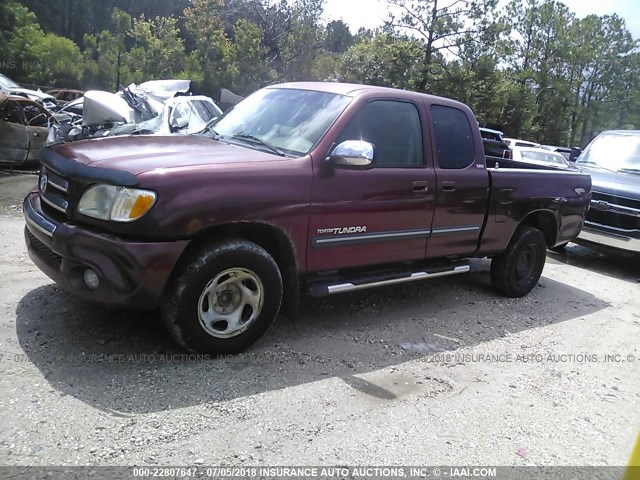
(434, 373)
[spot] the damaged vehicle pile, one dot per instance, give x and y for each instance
(154, 107)
(29, 120)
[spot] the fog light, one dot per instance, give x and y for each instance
(91, 279)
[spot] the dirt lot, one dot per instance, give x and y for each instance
(359, 379)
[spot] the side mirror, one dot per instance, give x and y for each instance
(353, 155)
(575, 153)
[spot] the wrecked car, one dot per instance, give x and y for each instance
(24, 127)
(185, 115)
(65, 95)
(9, 87)
(155, 107)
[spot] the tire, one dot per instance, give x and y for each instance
(222, 298)
(517, 270)
(559, 248)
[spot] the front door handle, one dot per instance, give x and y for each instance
(420, 186)
(449, 186)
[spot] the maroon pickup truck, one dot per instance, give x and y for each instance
(316, 188)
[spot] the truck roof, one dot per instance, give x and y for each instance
(354, 90)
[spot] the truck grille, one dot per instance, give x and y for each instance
(49, 255)
(54, 195)
(613, 200)
(619, 212)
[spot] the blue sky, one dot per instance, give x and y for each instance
(371, 13)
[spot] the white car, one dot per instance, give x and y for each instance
(182, 115)
(540, 157)
(514, 142)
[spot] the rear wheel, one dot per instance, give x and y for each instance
(223, 298)
(517, 270)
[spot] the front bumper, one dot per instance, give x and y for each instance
(610, 237)
(132, 274)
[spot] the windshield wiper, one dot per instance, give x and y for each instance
(254, 139)
(594, 164)
(209, 128)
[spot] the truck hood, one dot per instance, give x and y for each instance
(143, 153)
(613, 183)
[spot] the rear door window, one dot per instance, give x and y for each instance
(453, 136)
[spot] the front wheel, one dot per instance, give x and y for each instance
(223, 298)
(517, 270)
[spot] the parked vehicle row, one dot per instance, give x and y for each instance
(494, 144)
(155, 107)
(30, 119)
(511, 153)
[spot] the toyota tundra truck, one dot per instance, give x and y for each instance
(303, 188)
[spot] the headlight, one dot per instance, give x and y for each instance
(118, 204)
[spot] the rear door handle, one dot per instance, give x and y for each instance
(420, 186)
(449, 186)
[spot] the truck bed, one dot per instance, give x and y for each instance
(557, 207)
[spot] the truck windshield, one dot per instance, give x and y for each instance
(613, 151)
(289, 120)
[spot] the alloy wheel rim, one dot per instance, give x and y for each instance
(231, 302)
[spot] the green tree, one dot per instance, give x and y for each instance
(337, 37)
(441, 26)
(105, 55)
(610, 45)
(157, 51)
(212, 59)
(301, 46)
(536, 48)
(385, 61)
(33, 57)
(250, 66)
(19, 54)
(327, 67)
(59, 61)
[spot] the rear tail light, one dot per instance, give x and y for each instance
(506, 154)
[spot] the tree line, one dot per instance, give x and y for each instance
(532, 68)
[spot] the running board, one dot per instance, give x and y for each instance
(319, 289)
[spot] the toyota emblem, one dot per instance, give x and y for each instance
(44, 180)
